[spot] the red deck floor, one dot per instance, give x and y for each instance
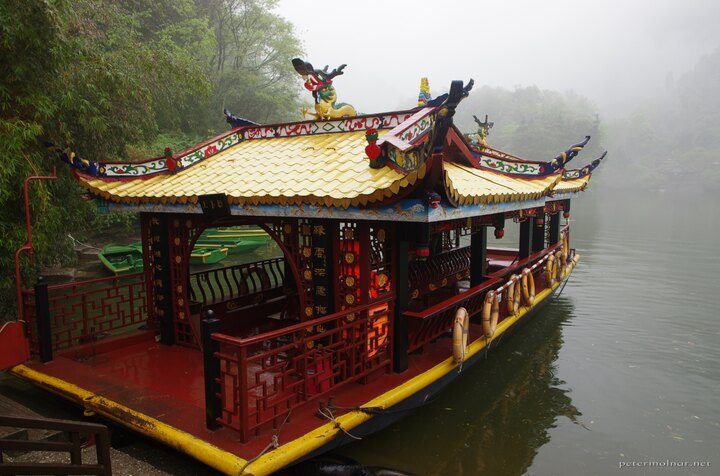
(166, 383)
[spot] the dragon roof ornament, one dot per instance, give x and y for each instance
(319, 82)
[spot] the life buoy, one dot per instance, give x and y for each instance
(558, 266)
(490, 314)
(460, 334)
(528, 287)
(550, 270)
(517, 298)
(513, 296)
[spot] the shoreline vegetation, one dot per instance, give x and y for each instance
(122, 81)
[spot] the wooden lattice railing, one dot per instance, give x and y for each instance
(436, 268)
(221, 284)
(262, 378)
(84, 311)
(435, 321)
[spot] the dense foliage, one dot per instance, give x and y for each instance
(122, 80)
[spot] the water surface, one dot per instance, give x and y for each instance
(622, 367)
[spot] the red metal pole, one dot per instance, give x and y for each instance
(28, 245)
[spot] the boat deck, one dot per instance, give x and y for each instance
(166, 383)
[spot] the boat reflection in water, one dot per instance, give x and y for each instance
(495, 419)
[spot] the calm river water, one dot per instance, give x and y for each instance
(622, 368)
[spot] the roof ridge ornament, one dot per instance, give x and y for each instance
(479, 138)
(563, 158)
(236, 121)
(319, 82)
(448, 102)
(73, 159)
(424, 96)
(584, 171)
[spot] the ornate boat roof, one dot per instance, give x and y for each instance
(322, 168)
(338, 162)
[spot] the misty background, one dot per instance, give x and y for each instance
(124, 80)
(642, 77)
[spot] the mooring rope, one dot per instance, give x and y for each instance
(78, 242)
(329, 415)
(274, 443)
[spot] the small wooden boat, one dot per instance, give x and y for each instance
(203, 255)
(122, 259)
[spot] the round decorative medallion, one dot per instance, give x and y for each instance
(349, 258)
(350, 299)
(349, 281)
(307, 275)
(309, 311)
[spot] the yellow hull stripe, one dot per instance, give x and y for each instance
(287, 453)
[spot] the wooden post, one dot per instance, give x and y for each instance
(42, 310)
(211, 367)
(163, 292)
(554, 225)
(538, 234)
(402, 294)
(525, 238)
(478, 256)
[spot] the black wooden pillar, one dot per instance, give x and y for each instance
(478, 256)
(554, 225)
(525, 238)
(162, 283)
(211, 368)
(402, 294)
(538, 233)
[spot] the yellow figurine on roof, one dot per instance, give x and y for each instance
(319, 82)
(480, 137)
(424, 95)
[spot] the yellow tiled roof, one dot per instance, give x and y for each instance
(329, 169)
(468, 185)
(573, 185)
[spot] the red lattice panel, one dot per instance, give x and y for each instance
(84, 311)
(264, 377)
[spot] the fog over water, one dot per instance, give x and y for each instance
(614, 52)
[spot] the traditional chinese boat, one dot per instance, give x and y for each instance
(122, 259)
(383, 292)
